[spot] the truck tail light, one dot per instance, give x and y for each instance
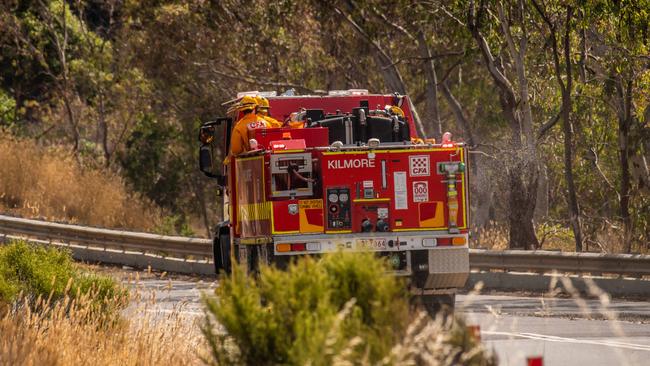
(298, 247)
(294, 247)
(443, 241)
(459, 240)
(281, 248)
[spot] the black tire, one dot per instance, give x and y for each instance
(437, 304)
(221, 250)
(246, 258)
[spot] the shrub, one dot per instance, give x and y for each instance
(49, 273)
(314, 308)
(343, 306)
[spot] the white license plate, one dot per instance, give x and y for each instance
(371, 244)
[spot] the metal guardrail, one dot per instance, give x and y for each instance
(183, 247)
(548, 261)
(172, 246)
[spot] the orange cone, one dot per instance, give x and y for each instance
(474, 332)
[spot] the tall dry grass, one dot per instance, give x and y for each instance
(554, 236)
(67, 333)
(50, 183)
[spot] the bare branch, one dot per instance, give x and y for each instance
(490, 62)
(457, 109)
(257, 80)
(396, 26)
(549, 124)
(433, 56)
(445, 76)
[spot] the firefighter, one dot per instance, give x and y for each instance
(394, 110)
(248, 121)
(297, 119)
(263, 108)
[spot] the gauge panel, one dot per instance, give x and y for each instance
(338, 209)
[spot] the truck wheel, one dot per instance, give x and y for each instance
(247, 258)
(437, 304)
(221, 251)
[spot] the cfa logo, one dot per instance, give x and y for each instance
(350, 164)
(254, 125)
(419, 165)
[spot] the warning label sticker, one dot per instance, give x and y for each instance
(420, 191)
(399, 184)
(307, 204)
(419, 166)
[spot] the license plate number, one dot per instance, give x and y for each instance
(371, 244)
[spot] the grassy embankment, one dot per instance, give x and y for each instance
(51, 184)
(54, 313)
(339, 310)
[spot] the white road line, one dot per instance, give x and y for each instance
(543, 337)
(171, 311)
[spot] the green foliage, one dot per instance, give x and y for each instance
(45, 272)
(307, 314)
(7, 109)
(148, 163)
(139, 75)
(175, 225)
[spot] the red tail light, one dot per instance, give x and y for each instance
(444, 241)
(298, 247)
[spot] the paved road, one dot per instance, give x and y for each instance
(563, 331)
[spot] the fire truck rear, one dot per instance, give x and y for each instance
(356, 178)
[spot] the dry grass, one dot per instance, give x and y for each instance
(56, 335)
(552, 236)
(49, 183)
(493, 236)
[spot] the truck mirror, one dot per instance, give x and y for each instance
(214, 137)
(206, 135)
(205, 161)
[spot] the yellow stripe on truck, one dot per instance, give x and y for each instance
(255, 211)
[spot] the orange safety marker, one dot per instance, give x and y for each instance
(535, 361)
(474, 332)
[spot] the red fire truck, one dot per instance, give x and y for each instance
(356, 178)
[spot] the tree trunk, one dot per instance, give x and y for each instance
(574, 210)
(566, 90)
(624, 121)
(71, 119)
(523, 168)
(522, 210)
(103, 131)
(431, 93)
(203, 209)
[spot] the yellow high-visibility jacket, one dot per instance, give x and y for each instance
(274, 122)
(240, 134)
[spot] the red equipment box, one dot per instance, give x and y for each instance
(314, 137)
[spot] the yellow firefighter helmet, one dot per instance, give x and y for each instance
(247, 102)
(262, 105)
